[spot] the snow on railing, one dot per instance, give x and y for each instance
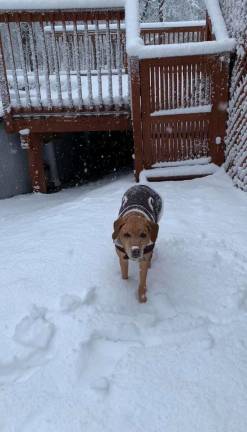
(136, 47)
(18, 5)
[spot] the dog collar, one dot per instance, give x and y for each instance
(147, 249)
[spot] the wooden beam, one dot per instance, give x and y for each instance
(136, 114)
(176, 178)
(62, 123)
(36, 164)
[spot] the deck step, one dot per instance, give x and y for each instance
(178, 172)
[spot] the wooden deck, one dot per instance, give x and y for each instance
(68, 71)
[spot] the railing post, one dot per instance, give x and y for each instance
(220, 92)
(209, 31)
(134, 71)
(33, 143)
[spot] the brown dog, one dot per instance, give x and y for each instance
(136, 230)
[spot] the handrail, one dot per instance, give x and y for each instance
(136, 47)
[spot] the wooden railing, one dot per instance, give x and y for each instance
(156, 34)
(183, 96)
(63, 61)
(66, 64)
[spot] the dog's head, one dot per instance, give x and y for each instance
(135, 232)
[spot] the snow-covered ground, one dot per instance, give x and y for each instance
(79, 353)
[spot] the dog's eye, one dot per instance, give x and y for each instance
(127, 235)
(143, 235)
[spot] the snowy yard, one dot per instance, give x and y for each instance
(79, 353)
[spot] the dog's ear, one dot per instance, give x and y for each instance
(153, 229)
(117, 226)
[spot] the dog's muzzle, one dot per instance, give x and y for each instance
(135, 252)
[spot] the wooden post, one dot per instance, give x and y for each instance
(34, 145)
(136, 113)
(220, 91)
(209, 31)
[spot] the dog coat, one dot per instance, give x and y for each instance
(144, 200)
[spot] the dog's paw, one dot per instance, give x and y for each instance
(142, 297)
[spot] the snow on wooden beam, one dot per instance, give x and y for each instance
(61, 4)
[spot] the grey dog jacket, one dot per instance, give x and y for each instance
(142, 199)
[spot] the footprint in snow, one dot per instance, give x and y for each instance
(35, 333)
(98, 358)
(70, 303)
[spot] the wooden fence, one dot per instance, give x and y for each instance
(156, 34)
(68, 71)
(183, 107)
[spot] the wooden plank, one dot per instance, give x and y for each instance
(58, 15)
(52, 124)
(36, 164)
(147, 85)
(176, 178)
(181, 117)
(136, 113)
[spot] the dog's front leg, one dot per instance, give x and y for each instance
(124, 265)
(144, 265)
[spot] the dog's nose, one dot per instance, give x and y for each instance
(135, 252)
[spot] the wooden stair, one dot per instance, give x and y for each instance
(179, 170)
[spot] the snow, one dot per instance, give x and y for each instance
(64, 89)
(61, 4)
(24, 132)
(178, 171)
(178, 49)
(189, 110)
(217, 20)
(198, 161)
(146, 25)
(172, 24)
(79, 353)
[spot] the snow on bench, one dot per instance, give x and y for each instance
(177, 111)
(178, 171)
(188, 162)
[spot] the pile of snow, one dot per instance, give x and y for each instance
(178, 171)
(65, 91)
(79, 353)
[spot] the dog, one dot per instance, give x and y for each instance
(136, 230)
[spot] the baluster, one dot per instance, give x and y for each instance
(119, 64)
(7, 32)
(35, 63)
(4, 89)
(77, 64)
(109, 67)
(67, 66)
(56, 65)
(46, 66)
(89, 75)
(98, 62)
(23, 64)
